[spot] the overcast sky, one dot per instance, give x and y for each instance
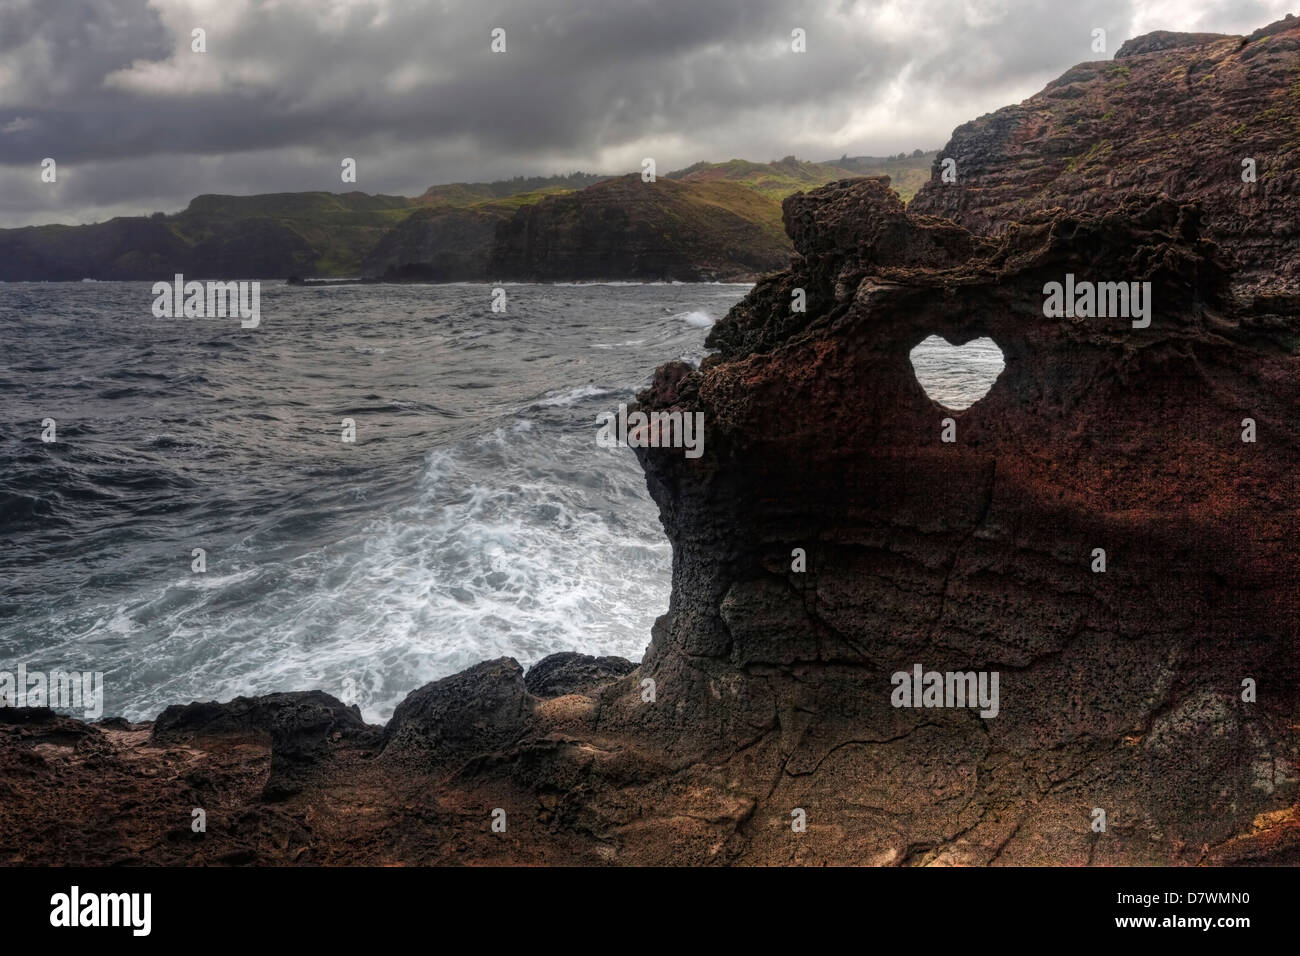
(137, 122)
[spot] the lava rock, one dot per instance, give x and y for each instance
(572, 673)
(479, 709)
(301, 725)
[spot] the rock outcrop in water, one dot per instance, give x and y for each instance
(1119, 690)
(827, 539)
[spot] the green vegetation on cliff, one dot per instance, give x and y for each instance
(785, 177)
(629, 229)
(449, 232)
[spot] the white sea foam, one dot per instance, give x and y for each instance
(475, 516)
(495, 556)
(573, 395)
(698, 320)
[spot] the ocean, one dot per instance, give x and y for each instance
(474, 515)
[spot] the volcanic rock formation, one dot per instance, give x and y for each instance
(1173, 112)
(1120, 690)
(829, 538)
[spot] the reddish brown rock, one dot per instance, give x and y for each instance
(1172, 113)
(1119, 690)
(766, 691)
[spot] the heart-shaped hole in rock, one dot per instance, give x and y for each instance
(957, 376)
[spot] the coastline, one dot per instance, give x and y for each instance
(766, 690)
(1056, 627)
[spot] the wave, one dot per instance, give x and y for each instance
(696, 320)
(575, 395)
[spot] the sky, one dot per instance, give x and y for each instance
(138, 122)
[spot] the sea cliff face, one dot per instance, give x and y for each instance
(710, 221)
(828, 539)
(216, 237)
(646, 231)
(1174, 113)
(437, 245)
(620, 229)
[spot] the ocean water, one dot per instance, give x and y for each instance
(474, 516)
(957, 376)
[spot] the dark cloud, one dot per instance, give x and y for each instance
(410, 88)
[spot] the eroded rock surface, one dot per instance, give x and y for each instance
(1173, 112)
(570, 673)
(766, 688)
(1120, 690)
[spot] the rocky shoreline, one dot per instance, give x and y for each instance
(829, 538)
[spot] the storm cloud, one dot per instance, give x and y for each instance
(137, 122)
